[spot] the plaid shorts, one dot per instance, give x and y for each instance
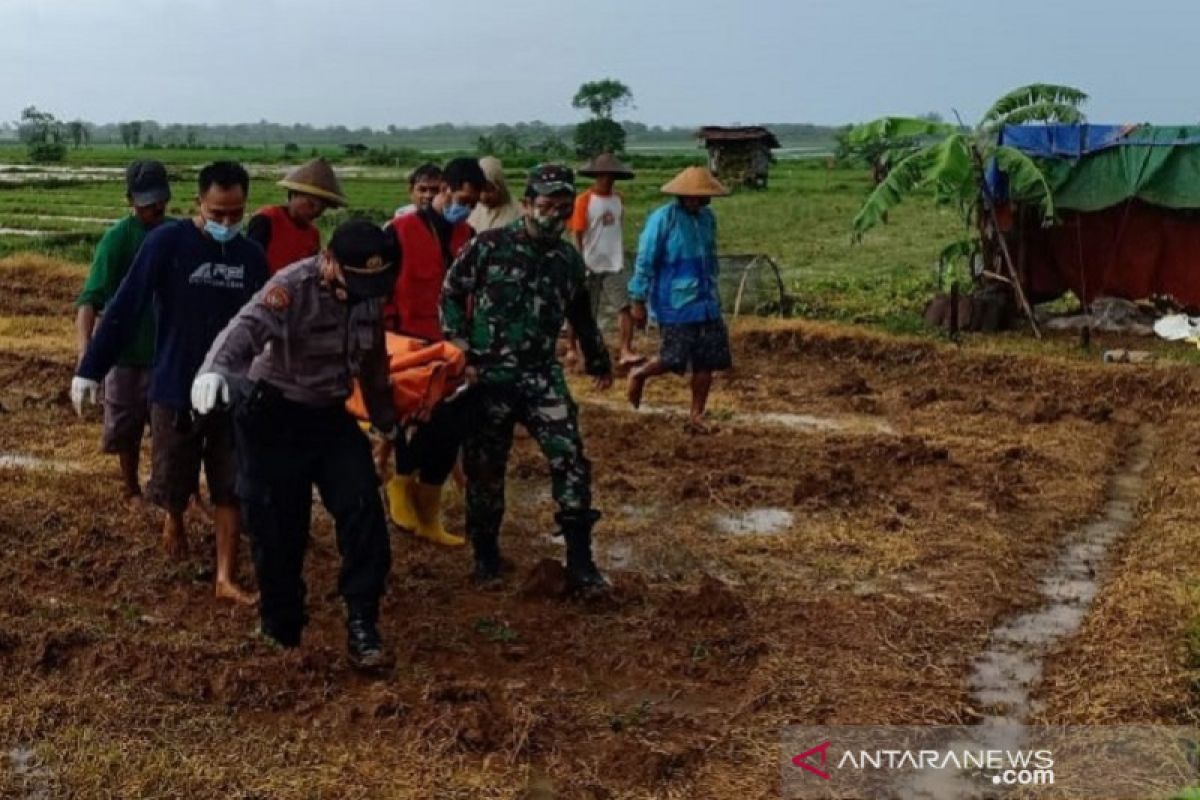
(702, 346)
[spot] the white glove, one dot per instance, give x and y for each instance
(208, 391)
(83, 389)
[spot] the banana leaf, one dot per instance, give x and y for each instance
(890, 128)
(1027, 96)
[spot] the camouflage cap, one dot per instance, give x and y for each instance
(550, 179)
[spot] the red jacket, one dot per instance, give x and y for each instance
(416, 299)
(289, 242)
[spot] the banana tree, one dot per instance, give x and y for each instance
(954, 163)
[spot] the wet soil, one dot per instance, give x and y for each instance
(909, 540)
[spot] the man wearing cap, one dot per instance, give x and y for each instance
(504, 301)
(197, 273)
(598, 225)
(427, 240)
(126, 409)
(676, 273)
(286, 233)
(287, 360)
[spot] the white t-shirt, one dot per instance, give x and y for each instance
(600, 222)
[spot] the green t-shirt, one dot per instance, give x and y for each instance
(114, 254)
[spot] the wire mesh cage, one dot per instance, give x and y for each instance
(748, 283)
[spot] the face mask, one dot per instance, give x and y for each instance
(549, 227)
(222, 233)
(455, 213)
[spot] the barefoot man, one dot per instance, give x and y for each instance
(598, 224)
(676, 273)
(126, 411)
(197, 273)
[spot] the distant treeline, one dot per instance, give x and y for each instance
(142, 133)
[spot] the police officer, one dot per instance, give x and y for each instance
(520, 282)
(287, 360)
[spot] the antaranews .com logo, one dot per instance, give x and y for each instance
(1008, 767)
(954, 762)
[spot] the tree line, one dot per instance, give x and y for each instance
(48, 137)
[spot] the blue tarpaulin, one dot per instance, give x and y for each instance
(1063, 141)
(1090, 167)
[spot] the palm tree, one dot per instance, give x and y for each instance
(954, 163)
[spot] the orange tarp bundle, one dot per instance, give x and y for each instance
(422, 375)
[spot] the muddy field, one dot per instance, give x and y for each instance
(845, 549)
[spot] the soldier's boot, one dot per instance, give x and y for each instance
(400, 501)
(488, 564)
(583, 577)
(427, 502)
(362, 638)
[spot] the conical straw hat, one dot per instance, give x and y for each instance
(317, 178)
(695, 182)
(606, 164)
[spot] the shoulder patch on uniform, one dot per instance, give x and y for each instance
(277, 298)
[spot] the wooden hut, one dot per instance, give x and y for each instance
(740, 155)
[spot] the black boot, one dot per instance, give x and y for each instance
(286, 637)
(582, 575)
(283, 629)
(362, 638)
(486, 545)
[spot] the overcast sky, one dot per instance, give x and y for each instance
(381, 62)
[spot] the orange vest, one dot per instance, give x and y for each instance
(421, 375)
(289, 242)
(413, 309)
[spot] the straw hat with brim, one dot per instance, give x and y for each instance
(695, 182)
(316, 178)
(606, 164)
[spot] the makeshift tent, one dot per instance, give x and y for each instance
(1127, 200)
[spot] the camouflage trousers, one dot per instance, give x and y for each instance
(541, 403)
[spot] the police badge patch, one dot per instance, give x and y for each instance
(277, 298)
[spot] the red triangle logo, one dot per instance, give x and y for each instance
(801, 760)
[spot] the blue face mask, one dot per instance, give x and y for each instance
(456, 213)
(222, 233)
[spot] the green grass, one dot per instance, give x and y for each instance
(802, 222)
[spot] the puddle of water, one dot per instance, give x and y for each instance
(615, 555)
(32, 780)
(26, 462)
(98, 220)
(848, 423)
(839, 424)
(755, 522)
(23, 232)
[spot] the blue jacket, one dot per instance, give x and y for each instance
(676, 268)
(196, 286)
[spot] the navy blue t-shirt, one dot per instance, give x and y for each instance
(197, 285)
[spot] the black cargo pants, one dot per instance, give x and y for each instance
(284, 449)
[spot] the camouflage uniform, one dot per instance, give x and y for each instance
(522, 289)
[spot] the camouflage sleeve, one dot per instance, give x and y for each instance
(460, 284)
(579, 314)
(264, 318)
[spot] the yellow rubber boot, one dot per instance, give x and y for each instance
(401, 502)
(427, 501)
